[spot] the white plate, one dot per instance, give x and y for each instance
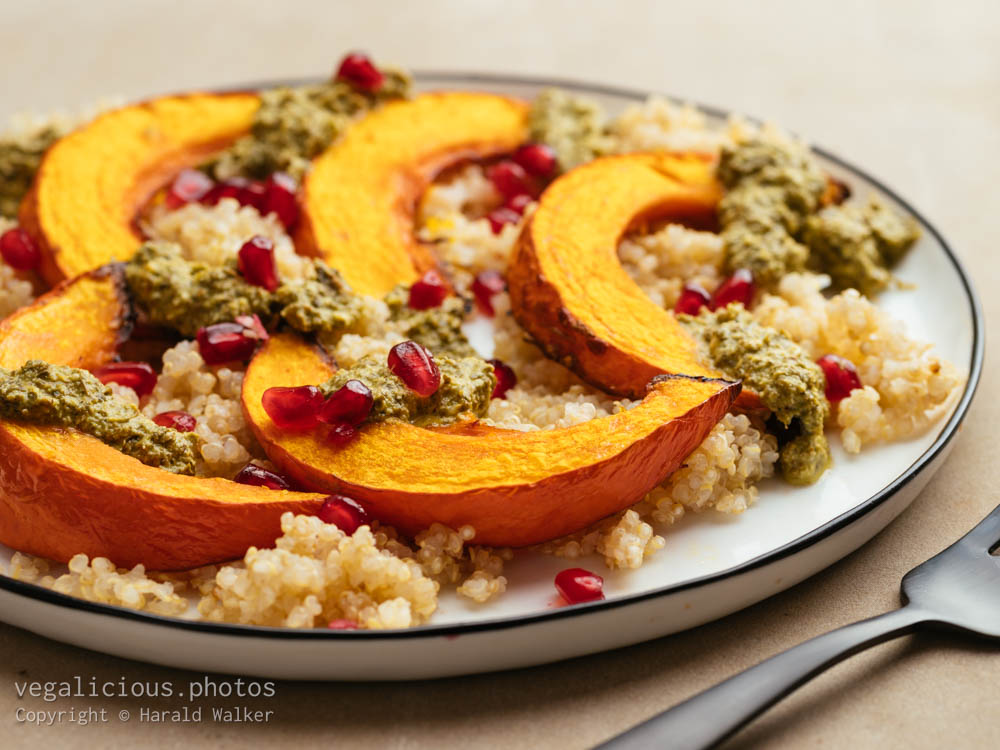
(711, 566)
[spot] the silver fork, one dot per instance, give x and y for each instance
(957, 589)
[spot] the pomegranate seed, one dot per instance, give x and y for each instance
(428, 291)
(258, 476)
(510, 179)
(359, 71)
(138, 376)
(484, 286)
(176, 420)
(415, 366)
(500, 217)
(231, 188)
(841, 377)
(737, 288)
(506, 379)
(256, 262)
(577, 585)
(693, 298)
(350, 404)
(254, 194)
(226, 342)
(279, 199)
(19, 251)
(252, 327)
(190, 185)
(518, 204)
(293, 409)
(343, 512)
(343, 625)
(537, 159)
(341, 434)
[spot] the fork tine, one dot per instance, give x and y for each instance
(987, 532)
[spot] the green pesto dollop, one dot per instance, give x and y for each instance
(294, 125)
(438, 329)
(771, 189)
(467, 385)
(20, 157)
(186, 295)
(779, 371)
(857, 245)
(62, 396)
(574, 126)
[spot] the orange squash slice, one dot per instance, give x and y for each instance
(63, 492)
(362, 193)
(568, 289)
(515, 488)
(92, 183)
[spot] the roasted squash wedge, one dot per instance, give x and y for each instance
(63, 492)
(514, 488)
(92, 183)
(568, 289)
(362, 193)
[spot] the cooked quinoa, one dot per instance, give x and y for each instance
(16, 288)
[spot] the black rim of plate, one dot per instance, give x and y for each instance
(944, 437)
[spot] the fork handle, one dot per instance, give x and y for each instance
(709, 717)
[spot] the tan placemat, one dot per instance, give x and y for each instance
(910, 90)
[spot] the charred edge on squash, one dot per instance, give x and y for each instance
(663, 377)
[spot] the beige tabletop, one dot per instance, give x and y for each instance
(910, 90)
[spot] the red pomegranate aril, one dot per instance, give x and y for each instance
(518, 204)
(841, 377)
(341, 434)
(344, 513)
(484, 287)
(188, 186)
(258, 476)
(506, 379)
(577, 585)
(537, 159)
(256, 262)
(293, 409)
(415, 366)
(350, 404)
(176, 420)
(279, 199)
(231, 188)
(342, 625)
(501, 217)
(226, 342)
(693, 298)
(428, 291)
(138, 376)
(254, 194)
(19, 251)
(737, 288)
(359, 71)
(252, 327)
(510, 179)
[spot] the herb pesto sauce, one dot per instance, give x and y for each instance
(572, 125)
(20, 157)
(467, 385)
(778, 370)
(438, 329)
(186, 295)
(772, 222)
(62, 396)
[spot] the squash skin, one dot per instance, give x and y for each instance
(514, 488)
(63, 492)
(568, 289)
(360, 199)
(92, 183)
